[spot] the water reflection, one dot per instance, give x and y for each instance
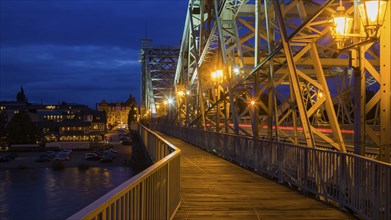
(47, 194)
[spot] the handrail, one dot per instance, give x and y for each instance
(151, 194)
(357, 183)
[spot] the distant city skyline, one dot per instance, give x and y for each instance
(81, 51)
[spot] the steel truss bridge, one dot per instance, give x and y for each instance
(283, 79)
(262, 84)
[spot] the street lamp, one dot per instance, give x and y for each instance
(217, 76)
(372, 15)
(180, 93)
(170, 101)
(320, 94)
(236, 70)
(342, 26)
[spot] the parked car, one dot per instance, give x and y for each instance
(87, 155)
(50, 154)
(42, 159)
(110, 155)
(64, 152)
(106, 160)
(112, 150)
(61, 157)
(96, 157)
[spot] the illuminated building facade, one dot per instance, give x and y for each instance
(63, 122)
(117, 113)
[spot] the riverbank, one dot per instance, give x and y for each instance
(26, 160)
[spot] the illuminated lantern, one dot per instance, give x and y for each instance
(342, 26)
(372, 15)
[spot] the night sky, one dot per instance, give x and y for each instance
(81, 51)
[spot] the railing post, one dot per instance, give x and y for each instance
(342, 180)
(168, 205)
(376, 188)
(305, 172)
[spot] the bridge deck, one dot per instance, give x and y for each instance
(212, 188)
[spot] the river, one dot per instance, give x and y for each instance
(42, 193)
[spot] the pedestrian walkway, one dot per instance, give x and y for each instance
(212, 188)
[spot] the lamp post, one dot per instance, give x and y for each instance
(217, 78)
(372, 14)
(171, 107)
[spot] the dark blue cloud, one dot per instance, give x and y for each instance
(80, 51)
(55, 73)
(120, 23)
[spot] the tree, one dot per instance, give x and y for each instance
(3, 124)
(132, 116)
(21, 97)
(21, 129)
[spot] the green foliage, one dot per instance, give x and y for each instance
(57, 165)
(21, 130)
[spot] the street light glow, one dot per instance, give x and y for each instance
(170, 100)
(219, 73)
(236, 70)
(372, 15)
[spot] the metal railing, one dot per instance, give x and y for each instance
(358, 184)
(152, 194)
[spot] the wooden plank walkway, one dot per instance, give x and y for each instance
(212, 188)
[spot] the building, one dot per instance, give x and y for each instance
(63, 122)
(117, 113)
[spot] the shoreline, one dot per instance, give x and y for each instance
(26, 160)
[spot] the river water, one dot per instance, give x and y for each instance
(42, 193)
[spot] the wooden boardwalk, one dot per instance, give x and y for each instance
(212, 188)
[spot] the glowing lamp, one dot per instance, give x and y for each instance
(372, 15)
(214, 76)
(170, 100)
(180, 93)
(236, 70)
(252, 102)
(342, 26)
(219, 73)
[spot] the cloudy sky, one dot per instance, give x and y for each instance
(81, 51)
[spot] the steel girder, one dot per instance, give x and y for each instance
(292, 79)
(158, 72)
